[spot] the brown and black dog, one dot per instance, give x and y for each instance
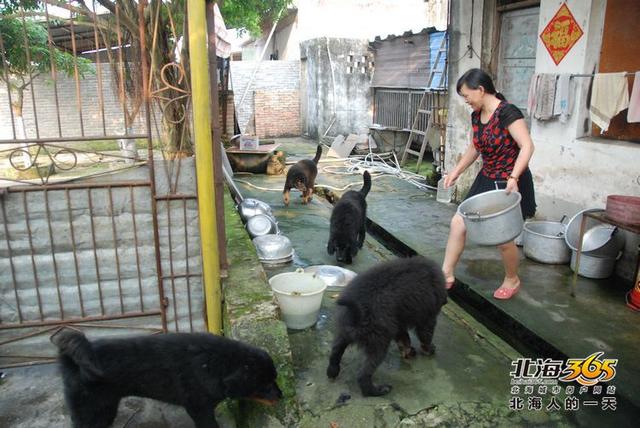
(302, 176)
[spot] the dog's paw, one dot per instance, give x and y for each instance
(377, 390)
(408, 352)
(429, 349)
(333, 371)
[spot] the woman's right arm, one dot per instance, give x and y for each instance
(469, 156)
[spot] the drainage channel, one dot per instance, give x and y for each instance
(516, 334)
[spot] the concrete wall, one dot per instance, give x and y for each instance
(335, 101)
(272, 76)
(184, 299)
(460, 60)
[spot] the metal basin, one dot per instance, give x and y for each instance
(273, 249)
(252, 207)
(333, 276)
(492, 218)
(544, 242)
(261, 224)
(599, 240)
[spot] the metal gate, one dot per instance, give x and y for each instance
(89, 234)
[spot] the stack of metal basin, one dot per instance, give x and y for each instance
(272, 247)
(602, 246)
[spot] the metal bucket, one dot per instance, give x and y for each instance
(492, 218)
(544, 242)
(599, 240)
(593, 266)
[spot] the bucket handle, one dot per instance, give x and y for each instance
(501, 182)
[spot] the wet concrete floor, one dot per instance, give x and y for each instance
(467, 381)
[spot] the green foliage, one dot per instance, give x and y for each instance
(40, 57)
(8, 7)
(251, 15)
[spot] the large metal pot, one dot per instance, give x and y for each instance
(544, 242)
(492, 218)
(599, 240)
(593, 266)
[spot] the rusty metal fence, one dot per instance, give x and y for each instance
(99, 215)
(396, 108)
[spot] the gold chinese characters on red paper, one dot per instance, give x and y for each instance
(561, 33)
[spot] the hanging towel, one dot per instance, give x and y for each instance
(633, 115)
(531, 99)
(609, 96)
(562, 104)
(545, 96)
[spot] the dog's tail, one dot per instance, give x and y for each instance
(73, 345)
(367, 183)
(318, 154)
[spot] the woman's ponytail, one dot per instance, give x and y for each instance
(500, 96)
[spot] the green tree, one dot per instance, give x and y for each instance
(26, 54)
(251, 15)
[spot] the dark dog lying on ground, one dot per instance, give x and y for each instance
(349, 223)
(193, 370)
(379, 305)
(302, 176)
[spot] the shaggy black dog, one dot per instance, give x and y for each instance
(349, 223)
(302, 176)
(379, 305)
(193, 370)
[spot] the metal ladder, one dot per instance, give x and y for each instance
(421, 107)
(416, 131)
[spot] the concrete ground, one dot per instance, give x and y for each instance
(466, 383)
(468, 379)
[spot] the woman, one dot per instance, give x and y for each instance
(501, 137)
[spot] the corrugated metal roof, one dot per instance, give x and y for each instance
(427, 30)
(405, 61)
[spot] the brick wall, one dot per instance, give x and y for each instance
(74, 122)
(272, 76)
(277, 113)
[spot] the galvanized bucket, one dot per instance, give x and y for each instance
(492, 218)
(544, 242)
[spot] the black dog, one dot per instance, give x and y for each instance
(379, 306)
(193, 370)
(349, 223)
(302, 176)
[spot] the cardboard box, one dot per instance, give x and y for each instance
(249, 142)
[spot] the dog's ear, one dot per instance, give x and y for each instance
(331, 246)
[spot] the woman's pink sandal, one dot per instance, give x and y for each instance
(505, 293)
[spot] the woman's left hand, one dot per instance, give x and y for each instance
(512, 185)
